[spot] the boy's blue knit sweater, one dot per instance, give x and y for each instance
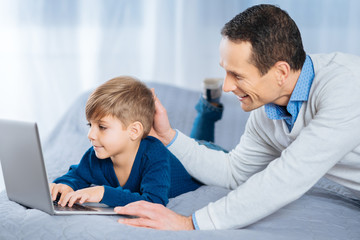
(156, 176)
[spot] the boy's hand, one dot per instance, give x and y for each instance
(91, 194)
(59, 188)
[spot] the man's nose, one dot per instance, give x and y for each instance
(228, 84)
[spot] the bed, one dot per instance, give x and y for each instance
(327, 211)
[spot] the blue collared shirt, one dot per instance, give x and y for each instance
(298, 96)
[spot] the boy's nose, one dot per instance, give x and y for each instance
(91, 134)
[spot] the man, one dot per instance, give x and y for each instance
(303, 126)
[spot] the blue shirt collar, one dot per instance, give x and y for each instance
(303, 85)
(298, 96)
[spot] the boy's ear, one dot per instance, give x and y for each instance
(136, 130)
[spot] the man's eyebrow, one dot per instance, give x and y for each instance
(233, 72)
(237, 74)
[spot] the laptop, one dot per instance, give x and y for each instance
(24, 172)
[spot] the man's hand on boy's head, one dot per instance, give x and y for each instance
(161, 128)
(90, 194)
(59, 188)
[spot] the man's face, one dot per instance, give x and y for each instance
(243, 78)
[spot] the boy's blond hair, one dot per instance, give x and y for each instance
(125, 98)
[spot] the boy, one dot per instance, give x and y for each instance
(124, 164)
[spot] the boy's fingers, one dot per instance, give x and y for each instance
(64, 199)
(83, 199)
(74, 198)
(54, 193)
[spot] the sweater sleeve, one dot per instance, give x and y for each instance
(154, 183)
(79, 176)
(217, 168)
(265, 182)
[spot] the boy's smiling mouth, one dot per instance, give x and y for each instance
(97, 146)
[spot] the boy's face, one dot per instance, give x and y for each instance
(109, 137)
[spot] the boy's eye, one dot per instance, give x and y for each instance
(102, 127)
(88, 124)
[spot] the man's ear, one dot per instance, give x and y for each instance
(136, 130)
(282, 71)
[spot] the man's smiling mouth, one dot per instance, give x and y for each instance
(242, 97)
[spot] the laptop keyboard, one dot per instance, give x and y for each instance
(75, 207)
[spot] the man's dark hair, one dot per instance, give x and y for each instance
(272, 33)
